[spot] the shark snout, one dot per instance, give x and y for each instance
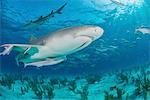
(92, 32)
(98, 32)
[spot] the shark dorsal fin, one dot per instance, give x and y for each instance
(60, 9)
(32, 38)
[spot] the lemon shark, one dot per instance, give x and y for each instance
(117, 2)
(144, 30)
(54, 47)
(43, 19)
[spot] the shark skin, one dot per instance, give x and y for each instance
(54, 47)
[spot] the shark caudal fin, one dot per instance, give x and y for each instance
(61, 8)
(8, 48)
(23, 49)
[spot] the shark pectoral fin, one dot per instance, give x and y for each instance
(59, 12)
(46, 62)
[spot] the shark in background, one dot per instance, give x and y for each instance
(43, 19)
(117, 2)
(144, 30)
(54, 47)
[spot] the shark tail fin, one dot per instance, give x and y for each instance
(25, 50)
(22, 48)
(61, 8)
(8, 48)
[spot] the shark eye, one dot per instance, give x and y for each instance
(96, 30)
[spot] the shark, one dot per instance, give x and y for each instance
(43, 19)
(144, 30)
(54, 47)
(117, 2)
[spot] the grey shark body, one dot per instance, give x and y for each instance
(54, 47)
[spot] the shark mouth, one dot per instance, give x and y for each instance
(82, 45)
(90, 37)
(86, 42)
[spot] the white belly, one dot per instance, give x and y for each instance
(62, 46)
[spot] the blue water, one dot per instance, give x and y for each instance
(119, 23)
